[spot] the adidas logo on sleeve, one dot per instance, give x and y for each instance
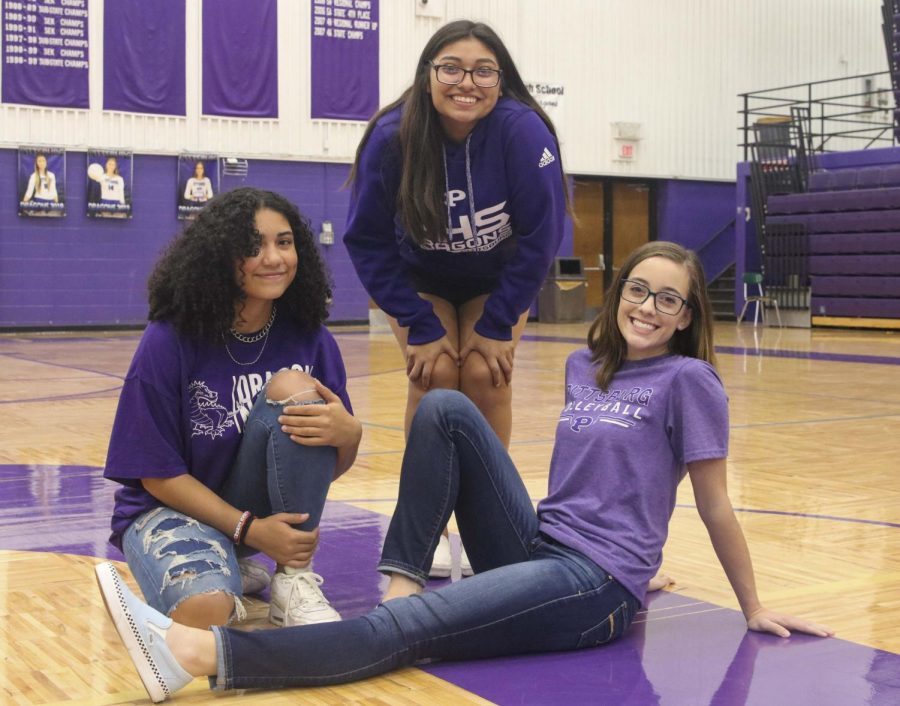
(546, 158)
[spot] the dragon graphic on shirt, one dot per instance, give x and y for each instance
(208, 417)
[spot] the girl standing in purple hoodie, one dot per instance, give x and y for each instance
(458, 208)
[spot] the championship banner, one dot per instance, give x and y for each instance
(144, 56)
(109, 183)
(240, 58)
(45, 53)
(42, 181)
(198, 182)
(344, 59)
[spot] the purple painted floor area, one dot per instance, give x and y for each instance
(680, 651)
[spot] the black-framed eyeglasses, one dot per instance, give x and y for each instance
(452, 75)
(664, 302)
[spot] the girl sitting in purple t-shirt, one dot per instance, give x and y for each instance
(644, 407)
(233, 418)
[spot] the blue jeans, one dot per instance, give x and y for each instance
(530, 594)
(174, 557)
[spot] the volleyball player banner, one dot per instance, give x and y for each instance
(110, 175)
(45, 53)
(144, 56)
(41, 181)
(240, 58)
(344, 59)
(198, 182)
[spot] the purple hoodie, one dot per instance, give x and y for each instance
(506, 209)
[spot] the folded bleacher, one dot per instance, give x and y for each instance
(850, 223)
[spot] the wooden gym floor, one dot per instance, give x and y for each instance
(815, 424)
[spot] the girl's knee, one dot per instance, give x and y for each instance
(205, 609)
(292, 387)
(475, 375)
(445, 374)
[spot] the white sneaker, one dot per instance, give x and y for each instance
(298, 600)
(255, 576)
(465, 566)
(443, 561)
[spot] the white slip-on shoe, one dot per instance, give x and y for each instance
(443, 560)
(298, 600)
(143, 632)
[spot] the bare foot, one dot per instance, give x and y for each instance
(400, 587)
(659, 581)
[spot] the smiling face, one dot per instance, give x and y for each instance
(267, 275)
(646, 331)
(199, 170)
(40, 163)
(460, 107)
(111, 166)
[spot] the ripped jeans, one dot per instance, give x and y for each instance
(174, 557)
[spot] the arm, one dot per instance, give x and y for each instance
(325, 425)
(187, 189)
(537, 207)
(209, 191)
(29, 192)
(708, 479)
(372, 242)
(273, 535)
(51, 189)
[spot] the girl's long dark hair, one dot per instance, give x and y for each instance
(195, 284)
(420, 197)
(608, 346)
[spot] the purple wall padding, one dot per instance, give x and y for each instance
(862, 243)
(847, 222)
(75, 271)
(691, 212)
(865, 308)
(864, 286)
(828, 201)
(848, 264)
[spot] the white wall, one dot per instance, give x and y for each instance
(673, 66)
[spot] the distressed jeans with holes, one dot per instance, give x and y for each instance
(530, 594)
(174, 557)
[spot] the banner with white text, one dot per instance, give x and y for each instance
(344, 59)
(45, 53)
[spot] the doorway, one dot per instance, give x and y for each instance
(614, 216)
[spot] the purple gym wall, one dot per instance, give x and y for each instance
(75, 271)
(692, 212)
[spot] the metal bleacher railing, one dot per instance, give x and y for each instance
(844, 113)
(784, 131)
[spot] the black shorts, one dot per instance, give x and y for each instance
(457, 291)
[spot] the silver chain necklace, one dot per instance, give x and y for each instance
(261, 335)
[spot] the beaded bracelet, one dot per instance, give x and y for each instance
(239, 527)
(246, 529)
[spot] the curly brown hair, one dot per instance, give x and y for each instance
(193, 285)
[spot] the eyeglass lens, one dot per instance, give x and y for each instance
(664, 302)
(482, 77)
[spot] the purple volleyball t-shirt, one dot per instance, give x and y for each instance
(184, 402)
(620, 454)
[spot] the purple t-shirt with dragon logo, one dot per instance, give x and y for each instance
(184, 403)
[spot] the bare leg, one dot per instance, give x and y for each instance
(205, 609)
(476, 382)
(194, 649)
(400, 587)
